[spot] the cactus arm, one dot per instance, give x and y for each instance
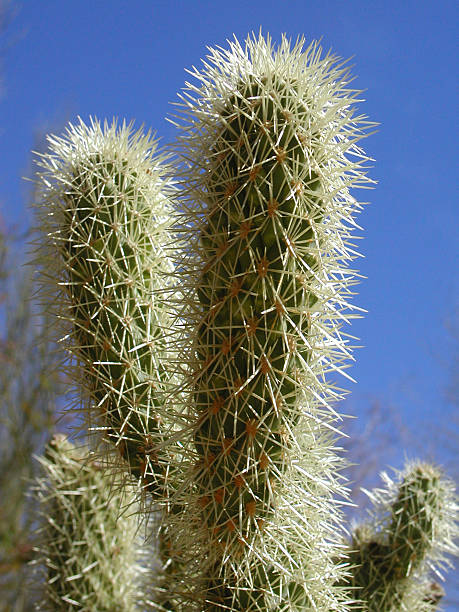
(414, 525)
(268, 207)
(90, 550)
(104, 210)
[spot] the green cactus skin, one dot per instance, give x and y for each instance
(411, 530)
(268, 144)
(104, 209)
(90, 550)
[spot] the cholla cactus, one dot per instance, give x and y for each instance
(104, 210)
(413, 527)
(269, 149)
(269, 152)
(92, 552)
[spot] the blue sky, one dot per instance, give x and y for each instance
(128, 59)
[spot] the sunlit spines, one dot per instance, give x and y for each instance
(413, 529)
(90, 550)
(104, 211)
(269, 145)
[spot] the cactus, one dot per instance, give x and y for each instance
(412, 528)
(270, 151)
(105, 215)
(104, 210)
(92, 552)
(241, 451)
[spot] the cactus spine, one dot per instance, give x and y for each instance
(412, 528)
(104, 212)
(91, 551)
(270, 152)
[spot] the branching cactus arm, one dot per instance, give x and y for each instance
(104, 212)
(413, 529)
(269, 149)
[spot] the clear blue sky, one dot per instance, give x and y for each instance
(127, 59)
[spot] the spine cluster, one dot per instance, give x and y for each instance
(270, 146)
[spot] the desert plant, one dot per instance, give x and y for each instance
(216, 377)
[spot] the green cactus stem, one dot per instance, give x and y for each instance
(104, 210)
(270, 152)
(90, 550)
(413, 526)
